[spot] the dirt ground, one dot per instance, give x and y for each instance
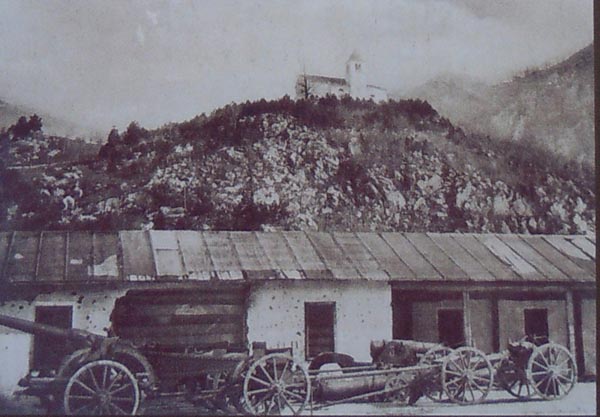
(581, 401)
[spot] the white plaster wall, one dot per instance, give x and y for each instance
(376, 94)
(363, 313)
(91, 311)
(512, 320)
(321, 89)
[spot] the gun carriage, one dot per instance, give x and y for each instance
(110, 375)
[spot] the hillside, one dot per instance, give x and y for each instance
(324, 164)
(54, 126)
(551, 107)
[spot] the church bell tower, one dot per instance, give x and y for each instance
(356, 77)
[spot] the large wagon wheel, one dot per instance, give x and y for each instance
(398, 389)
(467, 376)
(434, 356)
(275, 382)
(513, 379)
(102, 387)
(139, 366)
(552, 371)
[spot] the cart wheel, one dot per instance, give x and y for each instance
(102, 387)
(398, 386)
(275, 382)
(467, 376)
(552, 371)
(513, 379)
(433, 389)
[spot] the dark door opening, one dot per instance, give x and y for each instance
(48, 351)
(402, 320)
(536, 324)
(319, 319)
(451, 327)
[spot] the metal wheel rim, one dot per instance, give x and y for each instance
(552, 371)
(434, 391)
(102, 387)
(269, 381)
(467, 376)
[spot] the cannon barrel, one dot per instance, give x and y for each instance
(416, 346)
(27, 326)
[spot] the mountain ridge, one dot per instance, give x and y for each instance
(54, 126)
(551, 107)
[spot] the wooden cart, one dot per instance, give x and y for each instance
(109, 375)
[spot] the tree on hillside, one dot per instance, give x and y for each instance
(133, 134)
(24, 128)
(35, 123)
(114, 137)
(109, 150)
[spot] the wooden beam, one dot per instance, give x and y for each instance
(38, 256)
(495, 323)
(93, 257)
(153, 251)
(540, 286)
(467, 318)
(66, 256)
(570, 320)
(7, 256)
(184, 266)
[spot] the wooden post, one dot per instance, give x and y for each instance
(495, 323)
(467, 318)
(570, 320)
(66, 270)
(38, 257)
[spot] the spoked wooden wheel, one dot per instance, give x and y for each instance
(275, 382)
(435, 356)
(514, 380)
(102, 387)
(397, 387)
(467, 376)
(552, 371)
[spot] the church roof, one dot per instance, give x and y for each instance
(322, 78)
(355, 57)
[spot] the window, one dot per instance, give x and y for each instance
(48, 351)
(451, 327)
(536, 324)
(319, 319)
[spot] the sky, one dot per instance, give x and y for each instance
(107, 63)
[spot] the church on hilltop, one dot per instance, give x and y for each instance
(354, 84)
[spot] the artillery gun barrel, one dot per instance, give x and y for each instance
(31, 327)
(418, 347)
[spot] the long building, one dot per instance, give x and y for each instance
(312, 291)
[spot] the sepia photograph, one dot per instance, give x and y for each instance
(297, 207)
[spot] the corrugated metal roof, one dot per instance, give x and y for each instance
(190, 255)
